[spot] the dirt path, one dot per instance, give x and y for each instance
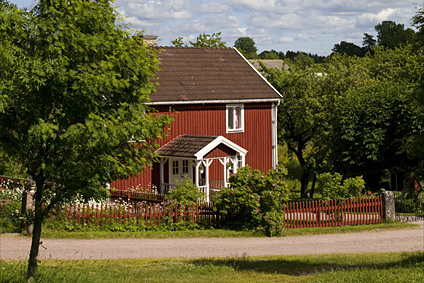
(13, 247)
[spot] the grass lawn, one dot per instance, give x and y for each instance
(221, 233)
(369, 267)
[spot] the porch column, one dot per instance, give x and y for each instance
(207, 163)
(197, 172)
(161, 173)
(224, 163)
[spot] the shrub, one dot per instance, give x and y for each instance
(254, 201)
(332, 187)
(185, 192)
(405, 205)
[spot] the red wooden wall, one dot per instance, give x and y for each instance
(210, 119)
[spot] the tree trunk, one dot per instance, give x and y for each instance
(35, 244)
(314, 180)
(304, 181)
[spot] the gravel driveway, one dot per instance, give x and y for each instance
(14, 247)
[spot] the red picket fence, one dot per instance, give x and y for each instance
(353, 211)
(148, 214)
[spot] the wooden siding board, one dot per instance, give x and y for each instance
(210, 119)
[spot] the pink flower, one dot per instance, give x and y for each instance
(232, 192)
(253, 196)
(17, 211)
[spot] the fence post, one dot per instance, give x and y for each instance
(388, 205)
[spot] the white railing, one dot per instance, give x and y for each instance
(217, 185)
(167, 187)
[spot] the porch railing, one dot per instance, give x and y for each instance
(166, 187)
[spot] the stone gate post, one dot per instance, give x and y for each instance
(388, 205)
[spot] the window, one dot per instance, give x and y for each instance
(235, 118)
(175, 167)
(185, 167)
(239, 161)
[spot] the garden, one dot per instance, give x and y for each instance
(257, 202)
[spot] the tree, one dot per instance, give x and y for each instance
(374, 114)
(203, 40)
(271, 55)
(206, 40)
(246, 46)
(75, 97)
(178, 42)
(392, 35)
(303, 61)
(302, 116)
(349, 49)
(418, 22)
(368, 42)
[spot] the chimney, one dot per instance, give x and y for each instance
(149, 39)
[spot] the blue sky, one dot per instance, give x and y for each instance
(299, 25)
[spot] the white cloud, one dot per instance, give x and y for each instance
(309, 25)
(286, 39)
(369, 18)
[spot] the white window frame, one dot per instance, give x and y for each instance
(232, 129)
(175, 167)
(240, 161)
(184, 164)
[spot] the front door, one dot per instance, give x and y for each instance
(179, 169)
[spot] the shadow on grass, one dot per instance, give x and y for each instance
(296, 266)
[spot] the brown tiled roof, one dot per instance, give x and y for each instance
(208, 74)
(185, 146)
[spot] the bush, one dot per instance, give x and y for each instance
(332, 187)
(405, 205)
(185, 192)
(254, 201)
(10, 214)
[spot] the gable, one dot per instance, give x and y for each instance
(190, 74)
(221, 151)
(197, 147)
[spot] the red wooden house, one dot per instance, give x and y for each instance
(225, 118)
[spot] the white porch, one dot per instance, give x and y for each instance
(199, 158)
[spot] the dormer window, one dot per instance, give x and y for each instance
(235, 118)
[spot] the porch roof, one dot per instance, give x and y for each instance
(196, 147)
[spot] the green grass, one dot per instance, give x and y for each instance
(222, 233)
(369, 267)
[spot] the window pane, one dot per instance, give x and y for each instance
(239, 161)
(237, 117)
(230, 117)
(175, 167)
(185, 166)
